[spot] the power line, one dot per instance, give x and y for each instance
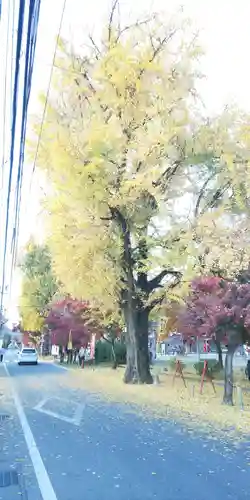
(13, 131)
(30, 51)
(33, 19)
(48, 91)
(5, 97)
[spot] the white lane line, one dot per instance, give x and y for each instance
(53, 414)
(79, 414)
(44, 483)
(75, 419)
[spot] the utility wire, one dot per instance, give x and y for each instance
(48, 91)
(30, 52)
(13, 131)
(29, 65)
(5, 97)
(33, 19)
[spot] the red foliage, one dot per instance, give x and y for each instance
(28, 338)
(25, 338)
(216, 306)
(70, 315)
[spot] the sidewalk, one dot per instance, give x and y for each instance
(10, 485)
(16, 473)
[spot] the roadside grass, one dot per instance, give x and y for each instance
(191, 375)
(166, 400)
(46, 358)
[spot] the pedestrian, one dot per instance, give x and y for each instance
(69, 356)
(247, 370)
(75, 352)
(81, 356)
(1, 354)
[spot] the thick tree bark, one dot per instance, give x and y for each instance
(228, 381)
(138, 365)
(141, 334)
(135, 314)
(115, 364)
(130, 372)
(219, 351)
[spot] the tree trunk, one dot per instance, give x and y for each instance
(136, 317)
(130, 372)
(115, 364)
(219, 351)
(142, 352)
(129, 375)
(138, 363)
(228, 381)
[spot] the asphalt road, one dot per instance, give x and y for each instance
(69, 445)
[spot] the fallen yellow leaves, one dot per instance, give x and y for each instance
(165, 400)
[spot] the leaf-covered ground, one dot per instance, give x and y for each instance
(118, 451)
(167, 400)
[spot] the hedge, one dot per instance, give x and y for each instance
(103, 352)
(213, 367)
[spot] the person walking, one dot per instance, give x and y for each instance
(2, 350)
(247, 370)
(81, 357)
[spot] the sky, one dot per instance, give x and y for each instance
(224, 35)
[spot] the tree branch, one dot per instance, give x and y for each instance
(95, 47)
(171, 170)
(156, 282)
(163, 42)
(137, 24)
(106, 339)
(157, 301)
(215, 198)
(202, 192)
(111, 18)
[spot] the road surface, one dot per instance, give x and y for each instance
(68, 445)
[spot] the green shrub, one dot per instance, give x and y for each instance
(120, 351)
(103, 352)
(172, 364)
(213, 367)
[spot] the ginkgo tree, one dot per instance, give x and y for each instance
(121, 152)
(39, 286)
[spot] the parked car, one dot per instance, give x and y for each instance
(27, 356)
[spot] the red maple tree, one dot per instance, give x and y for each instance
(69, 315)
(219, 309)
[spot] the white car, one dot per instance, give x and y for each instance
(27, 355)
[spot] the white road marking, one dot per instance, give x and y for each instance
(44, 483)
(79, 414)
(75, 419)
